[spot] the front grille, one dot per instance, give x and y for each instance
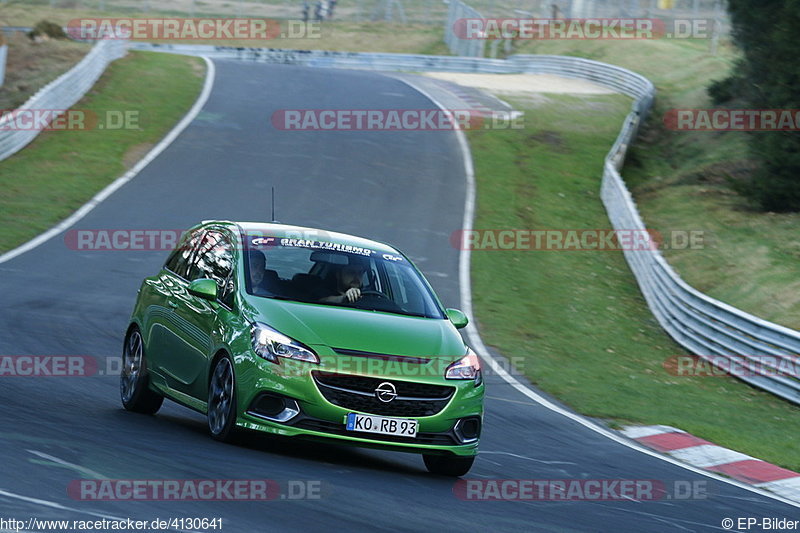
(409, 389)
(383, 356)
(357, 393)
(314, 424)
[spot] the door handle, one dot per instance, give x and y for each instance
(172, 304)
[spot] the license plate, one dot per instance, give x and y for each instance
(401, 427)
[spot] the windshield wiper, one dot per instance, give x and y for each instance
(279, 297)
(392, 311)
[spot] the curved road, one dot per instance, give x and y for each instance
(407, 188)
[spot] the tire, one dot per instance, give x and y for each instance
(448, 465)
(134, 381)
(222, 401)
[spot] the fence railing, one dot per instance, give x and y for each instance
(58, 95)
(710, 14)
(414, 11)
(762, 353)
(704, 326)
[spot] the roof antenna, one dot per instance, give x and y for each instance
(273, 205)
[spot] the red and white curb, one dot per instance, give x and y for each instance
(476, 105)
(703, 454)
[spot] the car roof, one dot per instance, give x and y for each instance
(302, 232)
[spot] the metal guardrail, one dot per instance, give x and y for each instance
(704, 326)
(328, 58)
(764, 353)
(60, 94)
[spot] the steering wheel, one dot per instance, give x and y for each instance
(381, 302)
(377, 294)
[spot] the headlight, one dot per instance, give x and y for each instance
(468, 367)
(271, 344)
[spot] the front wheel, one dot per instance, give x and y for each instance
(448, 465)
(134, 388)
(222, 401)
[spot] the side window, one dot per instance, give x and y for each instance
(214, 260)
(180, 258)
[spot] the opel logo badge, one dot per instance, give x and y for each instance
(386, 392)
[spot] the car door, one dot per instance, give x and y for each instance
(163, 291)
(197, 326)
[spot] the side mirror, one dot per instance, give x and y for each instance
(204, 288)
(458, 318)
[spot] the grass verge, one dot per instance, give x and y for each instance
(683, 181)
(577, 319)
(31, 66)
(60, 170)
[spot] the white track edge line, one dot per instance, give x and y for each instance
(125, 178)
(465, 288)
(82, 469)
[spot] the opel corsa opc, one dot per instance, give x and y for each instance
(305, 333)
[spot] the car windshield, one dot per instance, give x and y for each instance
(323, 272)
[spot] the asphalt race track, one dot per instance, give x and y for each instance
(406, 188)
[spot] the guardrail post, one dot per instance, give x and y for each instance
(3, 55)
(458, 45)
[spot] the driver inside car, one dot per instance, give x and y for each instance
(346, 286)
(262, 281)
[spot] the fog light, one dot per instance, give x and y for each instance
(468, 429)
(274, 408)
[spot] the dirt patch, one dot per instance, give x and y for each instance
(723, 172)
(552, 139)
(524, 209)
(135, 154)
(199, 69)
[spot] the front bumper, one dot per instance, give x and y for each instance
(318, 418)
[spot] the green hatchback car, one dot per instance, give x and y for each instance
(305, 333)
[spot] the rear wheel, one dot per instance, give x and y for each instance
(136, 394)
(222, 401)
(448, 465)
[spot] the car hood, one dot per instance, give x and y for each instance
(358, 329)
